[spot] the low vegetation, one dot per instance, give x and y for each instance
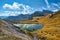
(49, 31)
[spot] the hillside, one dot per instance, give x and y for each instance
(51, 29)
(18, 17)
(26, 16)
(3, 35)
(51, 26)
(10, 32)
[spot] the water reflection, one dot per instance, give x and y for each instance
(29, 26)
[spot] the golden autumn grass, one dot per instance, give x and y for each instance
(49, 31)
(51, 26)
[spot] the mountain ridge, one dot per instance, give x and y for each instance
(22, 16)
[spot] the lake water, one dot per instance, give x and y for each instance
(29, 26)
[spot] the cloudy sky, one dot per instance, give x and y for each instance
(16, 7)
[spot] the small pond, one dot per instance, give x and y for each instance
(29, 27)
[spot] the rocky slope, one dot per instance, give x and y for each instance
(49, 31)
(9, 32)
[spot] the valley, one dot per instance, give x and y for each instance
(49, 31)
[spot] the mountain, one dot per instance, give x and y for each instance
(3, 17)
(49, 31)
(51, 27)
(5, 32)
(47, 11)
(27, 16)
(19, 17)
(40, 13)
(10, 32)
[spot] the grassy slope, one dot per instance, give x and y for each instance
(51, 28)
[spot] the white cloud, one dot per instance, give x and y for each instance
(23, 9)
(44, 8)
(54, 4)
(47, 3)
(15, 13)
(14, 6)
(55, 10)
(12, 13)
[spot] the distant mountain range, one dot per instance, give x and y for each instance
(19, 17)
(40, 13)
(23, 16)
